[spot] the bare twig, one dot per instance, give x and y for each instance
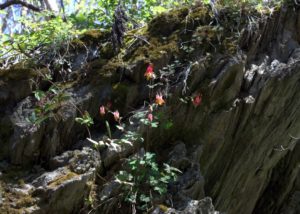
(22, 3)
(141, 38)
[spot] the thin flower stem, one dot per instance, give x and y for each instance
(108, 129)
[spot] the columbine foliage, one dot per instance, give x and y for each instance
(144, 180)
(85, 119)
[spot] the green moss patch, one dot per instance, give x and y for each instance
(63, 178)
(166, 23)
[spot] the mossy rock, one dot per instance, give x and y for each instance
(106, 50)
(196, 17)
(25, 201)
(6, 131)
(63, 178)
(157, 50)
(94, 36)
(97, 64)
(121, 91)
(77, 43)
(18, 72)
(111, 67)
(109, 73)
(166, 23)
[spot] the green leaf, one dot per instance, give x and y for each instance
(160, 190)
(145, 198)
(149, 156)
(183, 100)
(206, 1)
(3, 12)
(142, 162)
(168, 125)
(39, 94)
(154, 124)
(121, 127)
(85, 119)
(79, 120)
(158, 9)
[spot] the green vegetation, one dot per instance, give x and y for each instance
(143, 181)
(101, 16)
(37, 38)
(46, 104)
(48, 31)
(85, 119)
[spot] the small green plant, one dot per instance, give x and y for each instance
(46, 104)
(146, 118)
(143, 181)
(85, 119)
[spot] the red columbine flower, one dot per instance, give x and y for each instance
(102, 110)
(150, 117)
(149, 74)
(197, 100)
(159, 99)
(116, 115)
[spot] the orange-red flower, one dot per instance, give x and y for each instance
(116, 115)
(149, 74)
(159, 99)
(102, 110)
(150, 117)
(197, 100)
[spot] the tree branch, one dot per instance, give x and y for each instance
(19, 2)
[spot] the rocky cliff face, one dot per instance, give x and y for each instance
(240, 146)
